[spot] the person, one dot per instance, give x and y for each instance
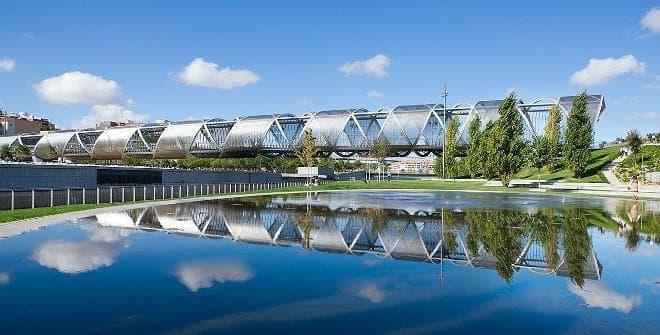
(389, 175)
(633, 186)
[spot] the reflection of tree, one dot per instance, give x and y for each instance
(543, 230)
(378, 219)
(472, 219)
(450, 221)
(502, 241)
(306, 224)
(576, 243)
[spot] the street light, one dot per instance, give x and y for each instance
(444, 129)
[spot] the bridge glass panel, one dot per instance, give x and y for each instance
(175, 140)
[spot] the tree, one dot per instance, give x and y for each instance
(380, 149)
(553, 135)
(22, 153)
(539, 154)
(579, 135)
(508, 139)
(50, 154)
(473, 161)
(451, 148)
(4, 152)
(487, 153)
(308, 150)
(634, 142)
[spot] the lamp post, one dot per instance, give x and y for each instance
(444, 129)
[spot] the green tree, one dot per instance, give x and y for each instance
(380, 150)
(4, 152)
(553, 134)
(473, 161)
(508, 140)
(307, 151)
(576, 243)
(50, 154)
(22, 153)
(451, 151)
(579, 135)
(634, 142)
(539, 154)
(487, 151)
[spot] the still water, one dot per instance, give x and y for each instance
(341, 263)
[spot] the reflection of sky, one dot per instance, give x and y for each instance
(144, 282)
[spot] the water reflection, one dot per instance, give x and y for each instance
(547, 240)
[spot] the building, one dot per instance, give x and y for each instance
(21, 123)
(413, 166)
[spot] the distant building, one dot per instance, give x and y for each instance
(16, 124)
(413, 166)
(110, 124)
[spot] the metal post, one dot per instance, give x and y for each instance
(51, 197)
(12, 200)
(83, 195)
(98, 195)
(133, 193)
(163, 195)
(171, 191)
(110, 194)
(68, 196)
(123, 194)
(444, 132)
(154, 195)
(144, 193)
(179, 191)
(32, 198)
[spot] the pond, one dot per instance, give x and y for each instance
(389, 262)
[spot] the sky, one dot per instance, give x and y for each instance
(79, 62)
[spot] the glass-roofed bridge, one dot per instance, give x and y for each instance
(407, 129)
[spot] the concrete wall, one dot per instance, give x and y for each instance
(28, 176)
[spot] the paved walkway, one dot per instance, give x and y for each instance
(608, 172)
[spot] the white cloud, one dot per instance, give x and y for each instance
(602, 71)
(203, 274)
(653, 85)
(7, 65)
(75, 257)
(207, 74)
(108, 113)
(596, 295)
(651, 21)
(372, 293)
(374, 67)
(4, 278)
(79, 88)
(648, 116)
(374, 94)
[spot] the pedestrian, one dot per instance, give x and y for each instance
(389, 175)
(633, 186)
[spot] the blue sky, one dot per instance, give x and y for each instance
(138, 57)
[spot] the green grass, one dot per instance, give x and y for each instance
(599, 158)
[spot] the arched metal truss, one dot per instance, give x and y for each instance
(410, 128)
(420, 237)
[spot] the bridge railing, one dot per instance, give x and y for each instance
(50, 197)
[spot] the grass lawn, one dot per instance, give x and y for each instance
(599, 158)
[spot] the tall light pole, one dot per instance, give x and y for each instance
(444, 129)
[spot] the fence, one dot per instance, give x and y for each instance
(34, 198)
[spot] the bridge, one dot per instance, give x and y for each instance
(419, 237)
(407, 129)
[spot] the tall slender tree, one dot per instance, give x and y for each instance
(380, 149)
(553, 134)
(473, 161)
(451, 151)
(509, 144)
(579, 135)
(634, 142)
(307, 150)
(487, 151)
(539, 154)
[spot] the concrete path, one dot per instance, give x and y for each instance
(608, 172)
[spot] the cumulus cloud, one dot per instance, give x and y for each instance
(109, 112)
(372, 293)
(374, 94)
(204, 274)
(374, 67)
(206, 74)
(597, 296)
(7, 65)
(79, 88)
(651, 21)
(4, 278)
(75, 257)
(602, 71)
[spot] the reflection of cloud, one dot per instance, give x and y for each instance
(372, 261)
(75, 257)
(596, 295)
(372, 293)
(4, 278)
(196, 275)
(97, 233)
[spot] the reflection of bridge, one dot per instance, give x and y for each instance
(414, 128)
(402, 236)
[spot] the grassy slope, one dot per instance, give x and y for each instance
(651, 156)
(599, 158)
